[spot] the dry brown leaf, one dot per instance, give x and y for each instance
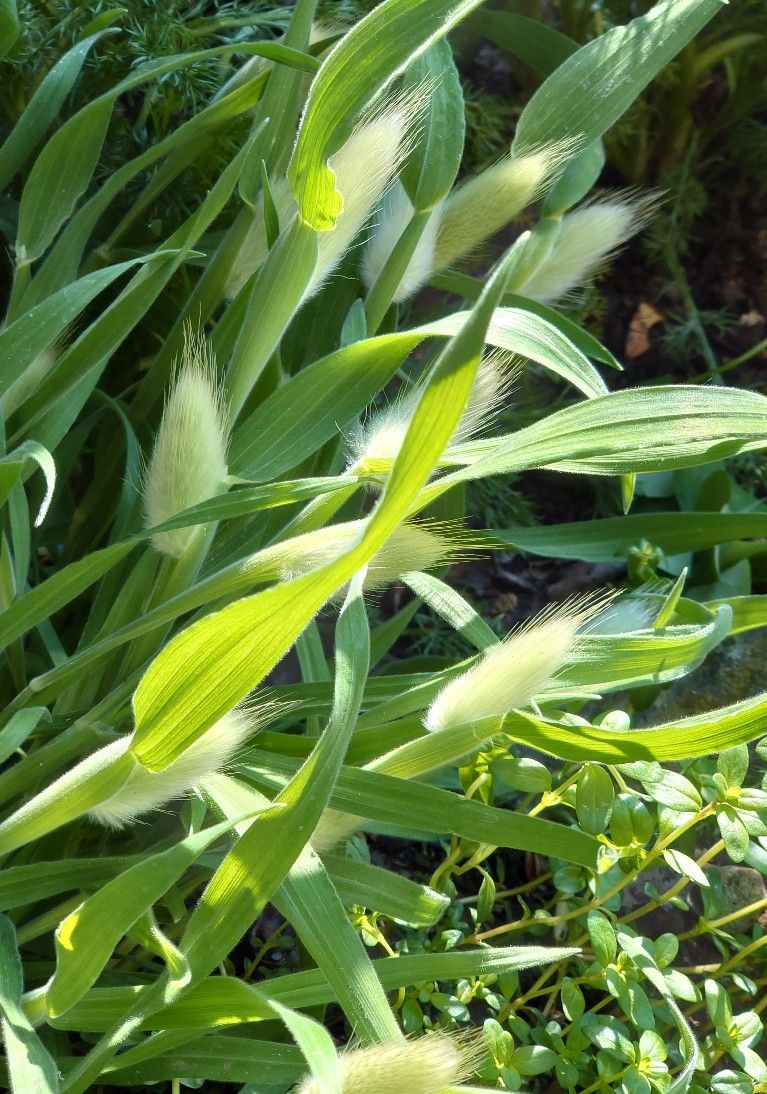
(637, 339)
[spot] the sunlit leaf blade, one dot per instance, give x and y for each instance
(31, 1070)
(681, 739)
(392, 800)
(220, 1001)
(590, 90)
(89, 934)
(183, 692)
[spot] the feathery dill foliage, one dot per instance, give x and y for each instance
(233, 496)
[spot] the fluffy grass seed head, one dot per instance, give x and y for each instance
(587, 238)
(334, 828)
(302, 554)
(188, 461)
(624, 616)
(489, 201)
(494, 380)
(411, 546)
(364, 167)
(427, 1065)
(146, 791)
(417, 546)
(377, 440)
(465, 219)
(508, 676)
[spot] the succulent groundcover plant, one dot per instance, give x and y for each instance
(225, 434)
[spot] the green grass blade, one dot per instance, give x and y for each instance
(31, 1069)
(612, 537)
(390, 800)
(42, 108)
(86, 938)
(590, 90)
(682, 739)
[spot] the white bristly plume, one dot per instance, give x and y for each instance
(411, 546)
(334, 829)
(468, 216)
(415, 546)
(363, 167)
(428, 1065)
(492, 385)
(146, 791)
(488, 202)
(588, 237)
(508, 676)
(188, 461)
(624, 616)
(379, 438)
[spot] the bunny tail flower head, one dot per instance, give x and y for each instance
(428, 1065)
(411, 546)
(363, 167)
(418, 546)
(333, 829)
(485, 204)
(145, 791)
(587, 238)
(188, 461)
(509, 675)
(465, 219)
(375, 443)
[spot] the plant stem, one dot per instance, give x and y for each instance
(734, 362)
(381, 295)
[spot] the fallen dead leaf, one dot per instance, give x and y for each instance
(637, 340)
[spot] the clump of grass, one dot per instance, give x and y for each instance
(206, 701)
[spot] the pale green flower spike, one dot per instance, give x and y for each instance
(411, 546)
(416, 546)
(375, 443)
(333, 829)
(188, 461)
(587, 238)
(429, 1065)
(149, 790)
(466, 218)
(488, 202)
(508, 676)
(363, 166)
